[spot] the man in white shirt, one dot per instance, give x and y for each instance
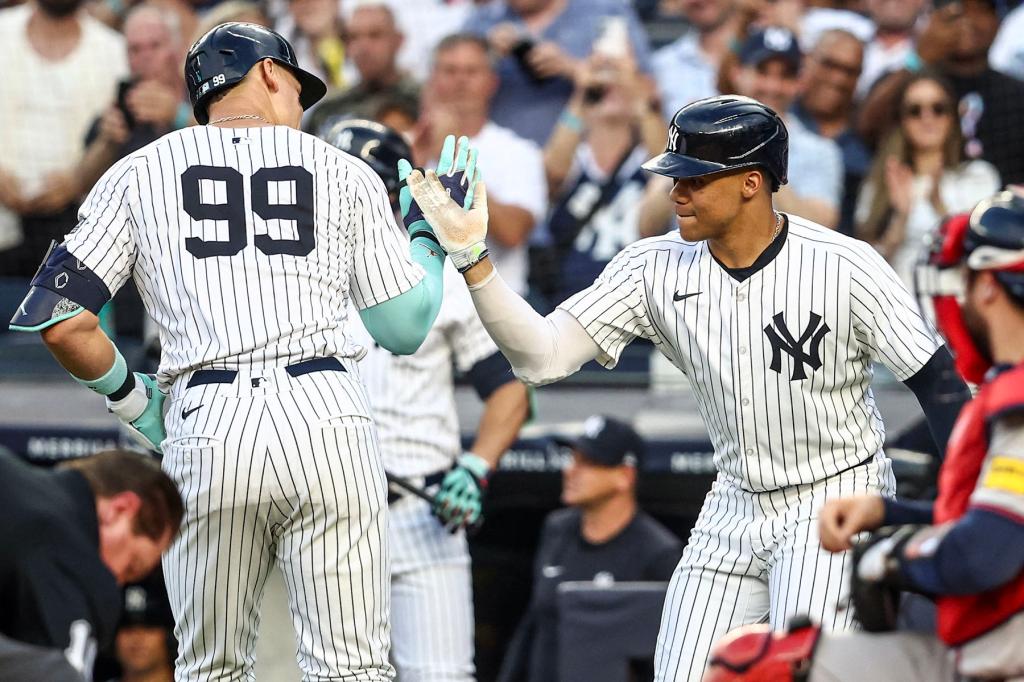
(61, 71)
(687, 70)
(457, 100)
(893, 41)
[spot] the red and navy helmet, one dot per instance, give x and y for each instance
(991, 237)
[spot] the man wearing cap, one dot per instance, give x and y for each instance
(602, 536)
(145, 644)
(769, 71)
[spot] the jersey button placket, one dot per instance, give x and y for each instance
(745, 380)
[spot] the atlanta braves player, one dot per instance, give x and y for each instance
(247, 240)
(775, 320)
(413, 401)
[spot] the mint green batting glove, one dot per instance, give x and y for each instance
(459, 503)
(142, 411)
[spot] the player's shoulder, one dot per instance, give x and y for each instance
(670, 242)
(655, 535)
(810, 235)
(560, 523)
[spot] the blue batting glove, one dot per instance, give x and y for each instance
(460, 500)
(142, 411)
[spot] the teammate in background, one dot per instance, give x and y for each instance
(776, 321)
(145, 642)
(413, 402)
(603, 536)
(71, 536)
(969, 554)
(248, 240)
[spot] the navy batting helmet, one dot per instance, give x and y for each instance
(222, 57)
(379, 146)
(722, 133)
(990, 238)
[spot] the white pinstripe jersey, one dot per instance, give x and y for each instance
(781, 362)
(413, 396)
(246, 244)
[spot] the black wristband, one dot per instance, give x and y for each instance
(124, 389)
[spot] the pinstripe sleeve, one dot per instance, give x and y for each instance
(104, 239)
(886, 319)
(381, 266)
(612, 309)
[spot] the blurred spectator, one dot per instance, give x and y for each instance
(457, 101)
(955, 42)
(919, 175)
(1007, 52)
(81, 530)
(603, 536)
(145, 645)
(373, 41)
(769, 71)
(62, 68)
(893, 41)
(687, 70)
(825, 107)
(151, 102)
(314, 29)
(592, 162)
(229, 10)
(541, 43)
(424, 23)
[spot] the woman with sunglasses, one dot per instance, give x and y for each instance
(919, 175)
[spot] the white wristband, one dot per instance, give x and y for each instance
(130, 407)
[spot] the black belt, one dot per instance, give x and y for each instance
(429, 480)
(227, 376)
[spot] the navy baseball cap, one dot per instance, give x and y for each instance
(607, 441)
(774, 42)
(145, 603)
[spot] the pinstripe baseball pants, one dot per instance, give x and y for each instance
(431, 597)
(276, 468)
(756, 558)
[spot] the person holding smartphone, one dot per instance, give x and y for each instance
(151, 102)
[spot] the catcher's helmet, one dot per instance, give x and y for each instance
(222, 57)
(379, 146)
(721, 133)
(991, 237)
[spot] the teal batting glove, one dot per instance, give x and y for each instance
(460, 501)
(412, 216)
(142, 411)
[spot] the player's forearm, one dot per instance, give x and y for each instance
(540, 349)
(401, 324)
(80, 346)
(509, 225)
(982, 551)
(505, 411)
(942, 393)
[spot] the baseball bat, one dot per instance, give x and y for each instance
(407, 486)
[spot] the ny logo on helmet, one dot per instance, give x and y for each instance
(782, 340)
(673, 139)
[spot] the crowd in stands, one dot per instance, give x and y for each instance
(899, 111)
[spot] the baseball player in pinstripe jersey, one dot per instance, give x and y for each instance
(776, 321)
(248, 241)
(413, 401)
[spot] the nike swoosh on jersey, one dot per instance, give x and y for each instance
(187, 412)
(679, 297)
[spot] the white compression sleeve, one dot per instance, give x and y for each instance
(540, 349)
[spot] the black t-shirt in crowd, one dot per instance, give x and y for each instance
(644, 550)
(994, 114)
(55, 589)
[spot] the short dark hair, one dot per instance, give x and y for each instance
(111, 472)
(464, 38)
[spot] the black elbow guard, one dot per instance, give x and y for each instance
(61, 288)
